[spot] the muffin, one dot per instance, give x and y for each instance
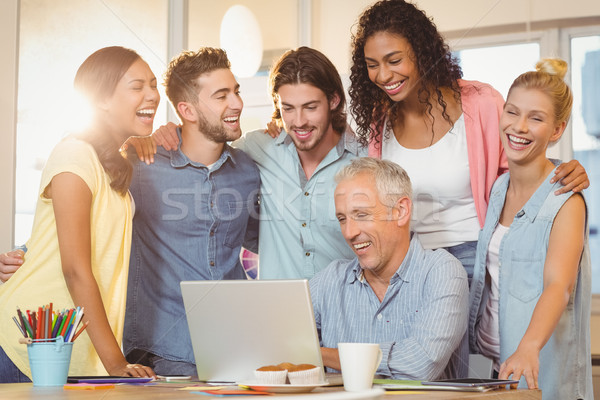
(286, 365)
(304, 374)
(271, 375)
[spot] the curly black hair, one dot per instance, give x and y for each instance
(435, 63)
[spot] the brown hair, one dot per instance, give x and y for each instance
(306, 65)
(184, 70)
(97, 79)
(548, 78)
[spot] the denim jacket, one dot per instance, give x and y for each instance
(565, 360)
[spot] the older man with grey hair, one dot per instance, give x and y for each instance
(411, 301)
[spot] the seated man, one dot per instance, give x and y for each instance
(411, 301)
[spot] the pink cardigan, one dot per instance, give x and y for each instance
(482, 106)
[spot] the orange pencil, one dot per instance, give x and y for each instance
(80, 330)
(66, 325)
(49, 324)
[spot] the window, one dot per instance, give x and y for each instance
(585, 124)
(54, 41)
(498, 60)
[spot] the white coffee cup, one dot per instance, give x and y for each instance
(359, 362)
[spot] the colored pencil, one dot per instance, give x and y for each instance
(75, 324)
(28, 328)
(63, 332)
(19, 326)
(20, 314)
(57, 325)
(34, 325)
(80, 330)
(62, 323)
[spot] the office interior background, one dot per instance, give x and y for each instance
(44, 41)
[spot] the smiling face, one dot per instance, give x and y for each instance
(377, 234)
(306, 115)
(390, 65)
(131, 108)
(219, 106)
(527, 125)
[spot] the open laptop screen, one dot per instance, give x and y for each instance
(238, 326)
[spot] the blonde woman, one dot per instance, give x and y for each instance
(531, 294)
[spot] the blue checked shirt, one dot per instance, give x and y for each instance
(420, 325)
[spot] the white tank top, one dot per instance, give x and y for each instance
(444, 212)
(488, 333)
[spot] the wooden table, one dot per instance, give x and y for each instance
(26, 391)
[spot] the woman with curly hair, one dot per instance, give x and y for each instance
(412, 107)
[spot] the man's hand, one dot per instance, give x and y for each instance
(273, 128)
(9, 263)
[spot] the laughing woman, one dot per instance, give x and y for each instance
(78, 254)
(531, 294)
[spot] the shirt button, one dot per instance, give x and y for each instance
(212, 263)
(212, 233)
(212, 204)
(307, 254)
(520, 213)
(306, 193)
(303, 224)
(379, 317)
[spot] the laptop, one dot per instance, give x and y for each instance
(238, 326)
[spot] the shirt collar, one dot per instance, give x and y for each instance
(415, 250)
(180, 160)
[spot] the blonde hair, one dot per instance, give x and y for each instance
(549, 78)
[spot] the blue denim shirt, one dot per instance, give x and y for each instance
(189, 224)
(421, 323)
(299, 232)
(565, 360)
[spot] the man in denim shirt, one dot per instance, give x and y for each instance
(299, 234)
(195, 207)
(411, 301)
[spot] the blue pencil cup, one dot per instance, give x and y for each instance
(49, 361)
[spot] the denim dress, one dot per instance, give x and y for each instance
(565, 361)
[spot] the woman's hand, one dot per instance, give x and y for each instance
(10, 262)
(572, 175)
(166, 136)
(135, 370)
(524, 362)
(273, 129)
(145, 147)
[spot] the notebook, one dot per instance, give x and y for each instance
(237, 326)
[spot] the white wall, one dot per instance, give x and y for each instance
(8, 113)
(333, 19)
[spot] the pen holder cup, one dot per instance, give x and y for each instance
(49, 361)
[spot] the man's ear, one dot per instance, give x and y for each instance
(334, 102)
(404, 209)
(558, 131)
(187, 111)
